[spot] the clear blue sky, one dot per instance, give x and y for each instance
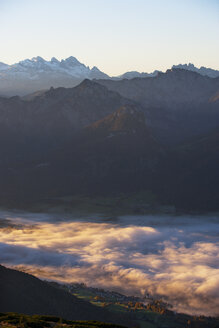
(115, 35)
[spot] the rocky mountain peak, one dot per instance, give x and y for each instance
(71, 61)
(205, 71)
(90, 85)
(38, 59)
(127, 119)
(55, 60)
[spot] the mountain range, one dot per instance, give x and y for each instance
(178, 104)
(202, 70)
(105, 137)
(35, 74)
(31, 75)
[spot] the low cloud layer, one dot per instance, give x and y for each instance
(177, 259)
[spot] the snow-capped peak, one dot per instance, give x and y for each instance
(3, 66)
(36, 73)
(71, 61)
(54, 60)
(38, 59)
(95, 68)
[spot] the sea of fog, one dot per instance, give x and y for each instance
(173, 257)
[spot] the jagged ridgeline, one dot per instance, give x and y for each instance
(32, 75)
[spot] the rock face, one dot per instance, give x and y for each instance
(116, 153)
(23, 293)
(127, 119)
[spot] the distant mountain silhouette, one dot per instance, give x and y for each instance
(34, 74)
(133, 74)
(31, 75)
(202, 70)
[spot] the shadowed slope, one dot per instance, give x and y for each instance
(21, 292)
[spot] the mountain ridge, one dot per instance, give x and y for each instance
(24, 293)
(31, 75)
(105, 137)
(205, 71)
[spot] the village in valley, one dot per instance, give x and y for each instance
(146, 311)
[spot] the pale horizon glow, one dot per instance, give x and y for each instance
(116, 36)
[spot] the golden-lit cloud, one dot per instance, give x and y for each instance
(178, 263)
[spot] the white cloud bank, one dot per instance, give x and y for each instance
(178, 263)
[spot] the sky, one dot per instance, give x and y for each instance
(114, 35)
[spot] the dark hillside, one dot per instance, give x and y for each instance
(23, 293)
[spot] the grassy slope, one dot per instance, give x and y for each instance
(9, 320)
